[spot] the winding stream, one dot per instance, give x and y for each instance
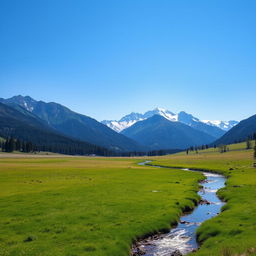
(182, 239)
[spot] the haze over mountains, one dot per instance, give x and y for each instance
(54, 125)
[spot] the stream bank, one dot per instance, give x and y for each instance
(181, 239)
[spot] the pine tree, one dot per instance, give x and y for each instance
(12, 144)
(18, 145)
(248, 144)
(223, 148)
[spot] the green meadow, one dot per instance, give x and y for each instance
(72, 206)
(233, 232)
(86, 206)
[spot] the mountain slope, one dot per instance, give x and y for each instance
(75, 125)
(24, 126)
(159, 133)
(194, 122)
(215, 128)
(240, 132)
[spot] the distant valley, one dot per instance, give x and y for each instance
(52, 125)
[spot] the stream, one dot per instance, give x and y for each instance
(182, 239)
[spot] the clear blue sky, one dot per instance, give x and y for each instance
(108, 58)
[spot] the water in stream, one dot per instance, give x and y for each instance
(182, 239)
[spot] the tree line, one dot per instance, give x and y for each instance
(11, 144)
(197, 148)
(159, 152)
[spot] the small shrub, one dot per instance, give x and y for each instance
(30, 239)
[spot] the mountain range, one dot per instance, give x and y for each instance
(215, 129)
(18, 123)
(42, 123)
(182, 117)
(157, 132)
(74, 125)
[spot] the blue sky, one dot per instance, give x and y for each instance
(109, 58)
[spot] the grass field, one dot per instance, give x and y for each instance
(233, 147)
(233, 232)
(86, 206)
(98, 206)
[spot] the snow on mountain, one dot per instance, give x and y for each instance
(26, 102)
(132, 118)
(182, 117)
(224, 125)
(162, 112)
(118, 126)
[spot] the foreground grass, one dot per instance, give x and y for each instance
(83, 206)
(233, 232)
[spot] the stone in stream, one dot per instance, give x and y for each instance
(138, 252)
(176, 253)
(184, 222)
(204, 201)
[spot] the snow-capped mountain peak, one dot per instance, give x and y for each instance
(224, 125)
(162, 112)
(132, 118)
(182, 117)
